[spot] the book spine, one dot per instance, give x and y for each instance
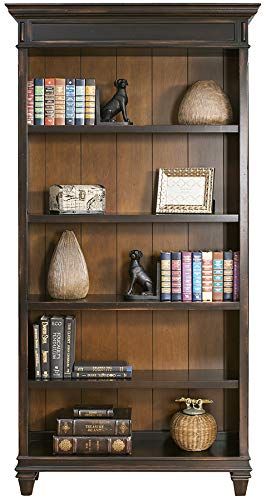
(81, 445)
(49, 101)
(70, 101)
(37, 351)
(39, 101)
(228, 275)
(207, 276)
(90, 101)
(80, 102)
(30, 102)
(218, 277)
(186, 277)
(103, 368)
(176, 276)
(45, 347)
(89, 375)
(93, 412)
(92, 427)
(196, 277)
(165, 259)
(59, 101)
(69, 345)
(236, 283)
(57, 346)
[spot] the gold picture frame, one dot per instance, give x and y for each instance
(185, 190)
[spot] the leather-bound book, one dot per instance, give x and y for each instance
(176, 276)
(236, 272)
(207, 276)
(90, 101)
(69, 345)
(228, 275)
(119, 425)
(218, 277)
(57, 346)
(37, 351)
(165, 259)
(60, 101)
(99, 375)
(45, 347)
(49, 101)
(103, 366)
(196, 276)
(93, 445)
(80, 102)
(30, 102)
(39, 101)
(93, 411)
(186, 276)
(70, 101)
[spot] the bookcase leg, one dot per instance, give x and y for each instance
(240, 482)
(26, 482)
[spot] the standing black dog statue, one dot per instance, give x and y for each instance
(117, 104)
(139, 277)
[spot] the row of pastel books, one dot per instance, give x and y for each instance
(93, 430)
(202, 276)
(61, 101)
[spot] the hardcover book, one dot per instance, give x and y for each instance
(186, 277)
(97, 375)
(94, 445)
(196, 276)
(103, 366)
(236, 271)
(80, 102)
(120, 425)
(70, 101)
(165, 259)
(93, 411)
(37, 351)
(39, 101)
(45, 347)
(30, 102)
(228, 275)
(57, 346)
(69, 345)
(207, 276)
(90, 101)
(49, 101)
(59, 101)
(176, 276)
(218, 278)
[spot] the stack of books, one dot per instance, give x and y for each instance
(102, 370)
(201, 276)
(94, 430)
(61, 101)
(54, 347)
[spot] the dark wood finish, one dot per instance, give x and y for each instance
(197, 349)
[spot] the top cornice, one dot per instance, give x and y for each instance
(51, 11)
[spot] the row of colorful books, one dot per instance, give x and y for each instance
(101, 430)
(61, 101)
(202, 276)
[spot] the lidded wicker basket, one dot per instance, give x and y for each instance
(205, 103)
(193, 429)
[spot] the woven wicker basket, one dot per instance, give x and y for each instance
(205, 103)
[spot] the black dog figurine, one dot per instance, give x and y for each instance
(138, 275)
(117, 104)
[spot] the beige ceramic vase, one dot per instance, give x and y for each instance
(68, 277)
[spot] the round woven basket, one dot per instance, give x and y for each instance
(193, 433)
(205, 103)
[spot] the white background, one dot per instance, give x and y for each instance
(129, 485)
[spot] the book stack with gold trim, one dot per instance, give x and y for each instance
(94, 430)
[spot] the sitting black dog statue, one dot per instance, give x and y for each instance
(117, 104)
(138, 274)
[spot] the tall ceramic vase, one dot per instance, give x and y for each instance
(68, 276)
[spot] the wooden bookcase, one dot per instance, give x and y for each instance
(176, 349)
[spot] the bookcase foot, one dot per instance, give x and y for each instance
(26, 482)
(240, 483)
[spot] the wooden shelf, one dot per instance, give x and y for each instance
(116, 302)
(148, 379)
(133, 129)
(130, 218)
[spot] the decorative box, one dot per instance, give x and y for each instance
(77, 199)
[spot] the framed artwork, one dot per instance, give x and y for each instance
(185, 190)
